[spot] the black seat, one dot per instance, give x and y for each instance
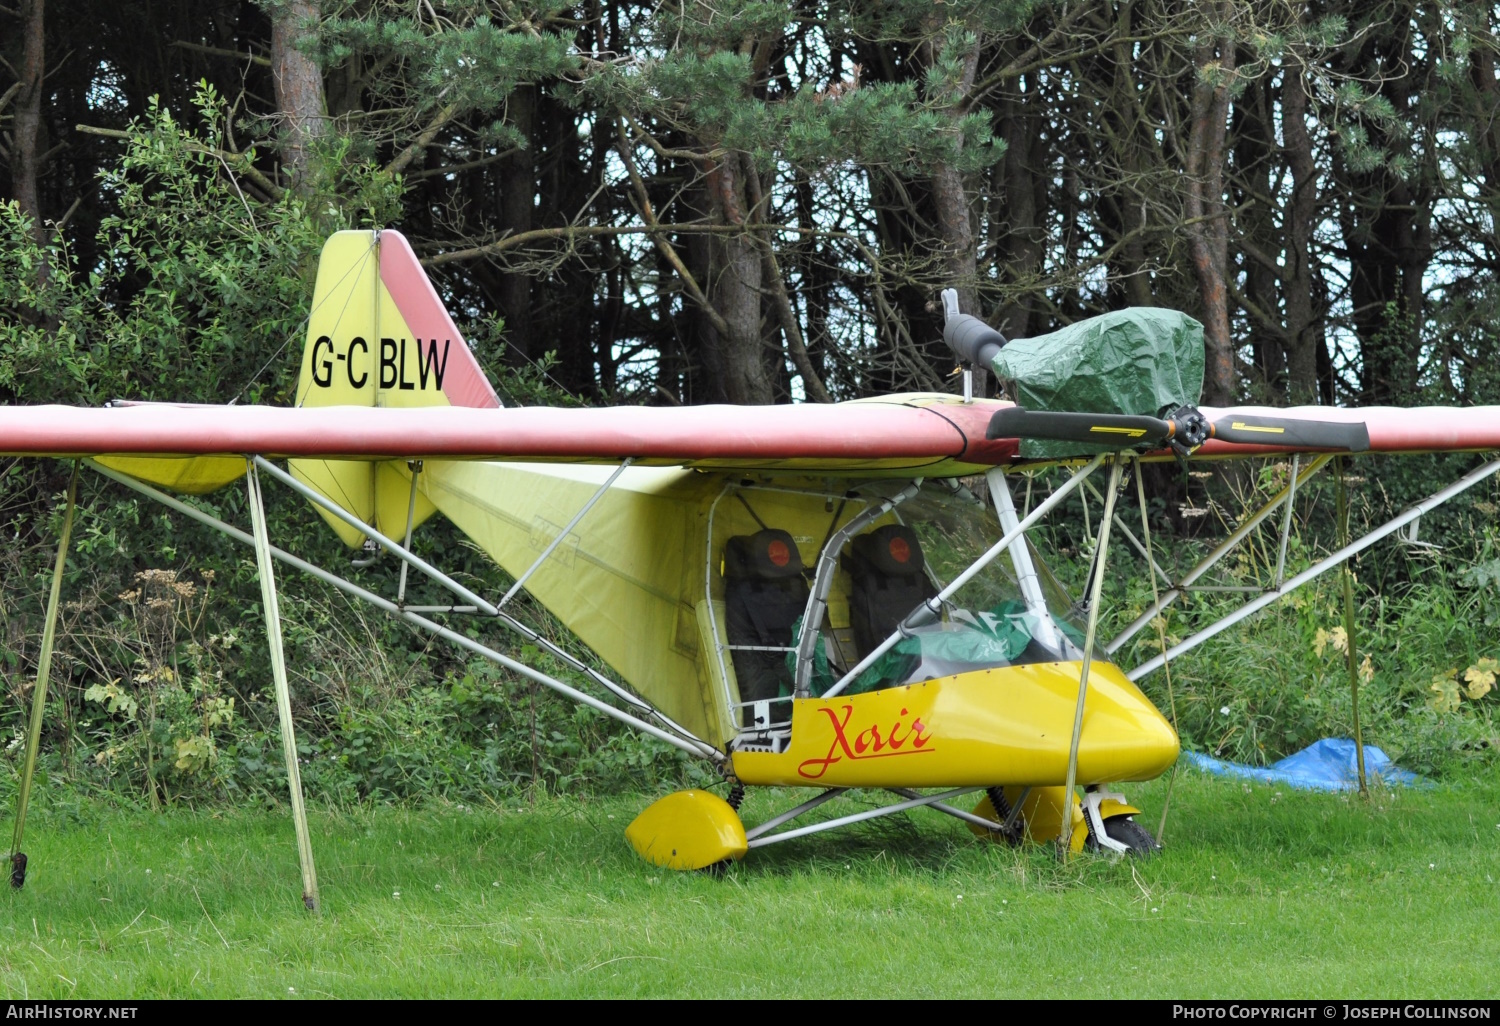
(888, 580)
(764, 594)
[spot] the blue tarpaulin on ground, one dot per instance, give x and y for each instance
(1326, 765)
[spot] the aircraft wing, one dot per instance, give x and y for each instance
(857, 437)
(916, 435)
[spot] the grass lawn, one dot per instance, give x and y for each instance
(1259, 893)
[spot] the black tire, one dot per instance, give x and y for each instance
(1128, 832)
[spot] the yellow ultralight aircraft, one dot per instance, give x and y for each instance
(804, 596)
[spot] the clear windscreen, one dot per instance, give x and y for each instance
(985, 624)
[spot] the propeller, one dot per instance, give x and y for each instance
(1242, 429)
(1185, 429)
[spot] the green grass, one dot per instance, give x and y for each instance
(1259, 893)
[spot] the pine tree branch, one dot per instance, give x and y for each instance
(468, 165)
(1016, 68)
(667, 153)
(253, 58)
(664, 244)
(582, 231)
(423, 140)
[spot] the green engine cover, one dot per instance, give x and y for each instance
(1141, 360)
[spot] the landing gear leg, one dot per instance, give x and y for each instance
(1014, 827)
(1005, 812)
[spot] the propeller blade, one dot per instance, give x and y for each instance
(1309, 434)
(1116, 429)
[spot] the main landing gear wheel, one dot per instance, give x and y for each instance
(1128, 832)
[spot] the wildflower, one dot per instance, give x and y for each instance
(1223, 710)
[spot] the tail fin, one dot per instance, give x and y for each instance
(379, 336)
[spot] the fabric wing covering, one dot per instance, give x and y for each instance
(622, 581)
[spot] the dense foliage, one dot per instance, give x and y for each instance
(754, 201)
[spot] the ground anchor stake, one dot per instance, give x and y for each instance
(39, 693)
(1350, 657)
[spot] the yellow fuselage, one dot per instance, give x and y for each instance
(1010, 725)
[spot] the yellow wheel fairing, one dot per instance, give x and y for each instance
(1041, 815)
(688, 830)
(1007, 725)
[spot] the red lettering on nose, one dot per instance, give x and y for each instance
(918, 733)
(815, 768)
(867, 744)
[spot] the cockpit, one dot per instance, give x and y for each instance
(817, 592)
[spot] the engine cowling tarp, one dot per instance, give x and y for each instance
(1140, 361)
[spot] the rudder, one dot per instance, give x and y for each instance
(379, 335)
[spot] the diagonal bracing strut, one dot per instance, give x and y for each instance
(1390, 527)
(687, 742)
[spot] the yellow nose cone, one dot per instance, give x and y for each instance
(688, 830)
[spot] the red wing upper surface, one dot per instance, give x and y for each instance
(907, 433)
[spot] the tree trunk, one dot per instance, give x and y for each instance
(1304, 329)
(29, 120)
(955, 215)
(517, 206)
(1025, 237)
(734, 290)
(299, 86)
(1208, 234)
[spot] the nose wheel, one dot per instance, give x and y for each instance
(1124, 830)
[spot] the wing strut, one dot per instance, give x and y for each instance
(1224, 548)
(1112, 493)
(267, 574)
(627, 461)
(1428, 504)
